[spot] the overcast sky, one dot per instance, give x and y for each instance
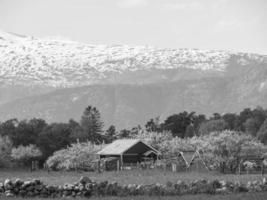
(238, 25)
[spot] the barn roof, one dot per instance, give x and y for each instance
(118, 147)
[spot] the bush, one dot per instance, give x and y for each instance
(77, 156)
(26, 154)
(5, 151)
(176, 145)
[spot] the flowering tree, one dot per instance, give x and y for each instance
(222, 149)
(26, 154)
(74, 156)
(249, 165)
(167, 144)
(154, 139)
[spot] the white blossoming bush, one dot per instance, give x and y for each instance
(76, 156)
(25, 154)
(249, 165)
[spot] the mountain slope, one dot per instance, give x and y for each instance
(56, 80)
(28, 60)
(129, 105)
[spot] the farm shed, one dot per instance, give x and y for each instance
(197, 162)
(129, 151)
(178, 161)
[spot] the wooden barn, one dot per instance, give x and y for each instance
(129, 151)
(177, 162)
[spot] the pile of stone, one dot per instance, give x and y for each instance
(85, 187)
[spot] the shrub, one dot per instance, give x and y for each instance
(76, 156)
(176, 145)
(26, 154)
(249, 165)
(5, 151)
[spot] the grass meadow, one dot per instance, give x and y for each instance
(125, 177)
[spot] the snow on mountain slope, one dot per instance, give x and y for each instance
(56, 79)
(57, 63)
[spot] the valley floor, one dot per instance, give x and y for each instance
(125, 177)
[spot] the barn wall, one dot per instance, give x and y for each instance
(139, 148)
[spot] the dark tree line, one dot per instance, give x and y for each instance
(54, 136)
(184, 124)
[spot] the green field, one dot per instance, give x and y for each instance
(125, 177)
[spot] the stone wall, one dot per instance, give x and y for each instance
(85, 187)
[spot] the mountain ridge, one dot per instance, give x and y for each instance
(56, 80)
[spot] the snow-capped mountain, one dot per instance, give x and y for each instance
(55, 79)
(56, 63)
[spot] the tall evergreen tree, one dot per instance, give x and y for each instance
(262, 133)
(91, 124)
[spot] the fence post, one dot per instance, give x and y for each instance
(118, 165)
(262, 168)
(32, 165)
(174, 167)
(98, 166)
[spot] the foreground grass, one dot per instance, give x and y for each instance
(125, 177)
(240, 196)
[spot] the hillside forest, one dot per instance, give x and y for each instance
(24, 140)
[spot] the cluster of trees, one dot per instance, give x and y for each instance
(37, 138)
(251, 122)
(220, 150)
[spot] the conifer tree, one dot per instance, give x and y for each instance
(91, 124)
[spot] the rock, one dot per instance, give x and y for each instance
(36, 181)
(8, 185)
(223, 183)
(9, 193)
(22, 193)
(216, 184)
(26, 184)
(222, 190)
(18, 182)
(84, 180)
(169, 184)
(2, 189)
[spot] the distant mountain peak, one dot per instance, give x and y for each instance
(57, 63)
